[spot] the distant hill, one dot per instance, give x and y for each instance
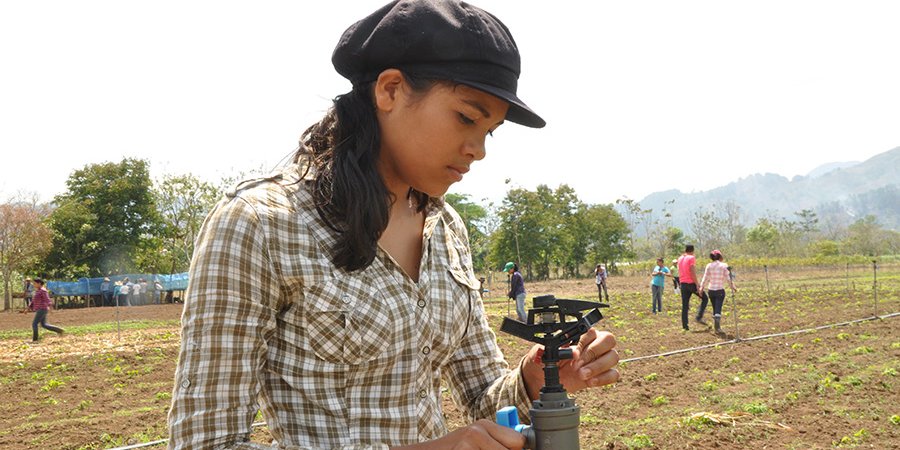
(828, 167)
(840, 192)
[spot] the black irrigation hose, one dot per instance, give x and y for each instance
(756, 338)
(674, 352)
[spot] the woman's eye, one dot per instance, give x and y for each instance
(465, 120)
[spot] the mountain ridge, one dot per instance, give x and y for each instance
(836, 191)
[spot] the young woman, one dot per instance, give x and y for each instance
(714, 277)
(338, 293)
(41, 306)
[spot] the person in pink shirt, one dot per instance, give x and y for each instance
(688, 280)
(41, 305)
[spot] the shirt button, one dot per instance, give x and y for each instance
(423, 393)
(426, 350)
(345, 298)
(186, 383)
(421, 303)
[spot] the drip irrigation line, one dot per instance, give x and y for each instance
(163, 441)
(756, 338)
(674, 352)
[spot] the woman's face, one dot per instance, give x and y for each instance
(430, 140)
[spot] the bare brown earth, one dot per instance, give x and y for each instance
(95, 387)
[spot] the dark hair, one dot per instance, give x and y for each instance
(689, 248)
(38, 280)
(342, 150)
(714, 256)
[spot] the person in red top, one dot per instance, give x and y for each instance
(688, 279)
(41, 305)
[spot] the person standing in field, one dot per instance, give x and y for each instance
(658, 284)
(106, 292)
(136, 293)
(41, 304)
(688, 282)
(337, 295)
(516, 289)
(28, 290)
(714, 276)
(125, 292)
(600, 274)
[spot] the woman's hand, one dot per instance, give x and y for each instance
(481, 435)
(592, 365)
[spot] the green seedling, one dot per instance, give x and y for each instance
(755, 408)
(638, 441)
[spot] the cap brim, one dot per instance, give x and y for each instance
(518, 112)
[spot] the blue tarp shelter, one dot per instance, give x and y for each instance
(91, 286)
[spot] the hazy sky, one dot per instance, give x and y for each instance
(639, 96)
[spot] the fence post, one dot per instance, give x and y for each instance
(875, 285)
(737, 335)
(768, 294)
(848, 277)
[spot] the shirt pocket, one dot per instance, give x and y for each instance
(348, 321)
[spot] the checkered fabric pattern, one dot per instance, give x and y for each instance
(334, 360)
(41, 300)
(716, 273)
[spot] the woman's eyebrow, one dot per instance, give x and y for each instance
(479, 107)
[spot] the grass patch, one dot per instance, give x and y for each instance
(104, 327)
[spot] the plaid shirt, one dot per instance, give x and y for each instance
(716, 273)
(41, 300)
(334, 359)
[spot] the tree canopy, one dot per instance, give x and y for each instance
(104, 221)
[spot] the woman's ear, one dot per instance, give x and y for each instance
(389, 89)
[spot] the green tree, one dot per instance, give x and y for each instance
(717, 227)
(24, 240)
(103, 221)
(865, 237)
(607, 235)
(762, 237)
(183, 202)
(522, 235)
(634, 215)
(552, 232)
(473, 215)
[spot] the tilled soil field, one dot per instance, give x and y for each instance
(99, 386)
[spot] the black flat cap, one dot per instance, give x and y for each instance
(442, 39)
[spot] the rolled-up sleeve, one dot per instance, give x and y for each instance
(479, 376)
(229, 311)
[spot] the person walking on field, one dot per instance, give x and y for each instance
(658, 283)
(601, 275)
(688, 282)
(715, 275)
(516, 289)
(41, 305)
